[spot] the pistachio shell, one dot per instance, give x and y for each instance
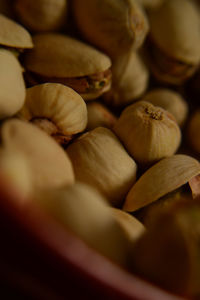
(175, 30)
(12, 86)
(161, 179)
(42, 15)
(13, 34)
(57, 55)
(100, 160)
(170, 101)
(57, 103)
(193, 131)
(49, 164)
(149, 133)
(133, 228)
(113, 26)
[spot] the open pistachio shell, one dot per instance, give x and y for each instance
(86, 213)
(100, 160)
(193, 131)
(113, 26)
(161, 179)
(49, 164)
(12, 86)
(170, 101)
(132, 227)
(42, 15)
(58, 104)
(129, 80)
(13, 34)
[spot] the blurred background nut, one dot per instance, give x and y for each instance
(169, 100)
(12, 86)
(41, 15)
(113, 26)
(174, 41)
(162, 178)
(100, 160)
(151, 4)
(130, 78)
(148, 132)
(85, 212)
(49, 164)
(55, 108)
(193, 131)
(62, 59)
(99, 116)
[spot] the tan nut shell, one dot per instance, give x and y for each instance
(113, 26)
(86, 213)
(57, 103)
(57, 55)
(130, 78)
(133, 228)
(175, 30)
(193, 131)
(100, 160)
(42, 15)
(13, 34)
(170, 101)
(50, 165)
(149, 133)
(12, 86)
(162, 178)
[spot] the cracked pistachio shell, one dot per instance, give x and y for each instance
(170, 101)
(13, 34)
(57, 55)
(132, 227)
(57, 103)
(113, 26)
(175, 29)
(130, 78)
(101, 161)
(85, 212)
(42, 15)
(49, 164)
(12, 86)
(99, 115)
(162, 178)
(193, 131)
(148, 132)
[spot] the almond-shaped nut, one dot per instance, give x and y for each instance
(193, 131)
(101, 161)
(162, 178)
(49, 164)
(85, 212)
(170, 101)
(42, 15)
(113, 26)
(57, 109)
(12, 86)
(149, 133)
(99, 115)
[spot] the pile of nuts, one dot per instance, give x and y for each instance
(100, 126)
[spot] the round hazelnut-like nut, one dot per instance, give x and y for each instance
(149, 133)
(100, 160)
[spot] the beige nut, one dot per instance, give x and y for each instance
(100, 160)
(49, 164)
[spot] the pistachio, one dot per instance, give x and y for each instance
(86, 213)
(49, 164)
(174, 46)
(193, 131)
(170, 101)
(62, 59)
(162, 178)
(57, 109)
(100, 160)
(130, 78)
(113, 26)
(149, 133)
(99, 115)
(42, 15)
(12, 86)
